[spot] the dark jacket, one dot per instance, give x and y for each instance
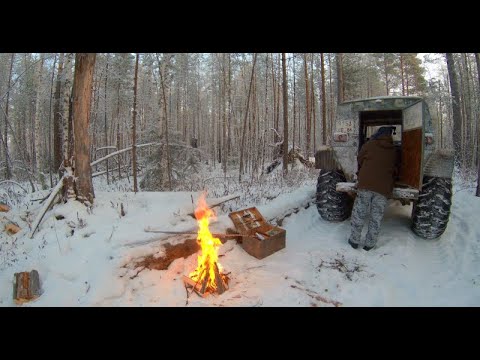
(377, 165)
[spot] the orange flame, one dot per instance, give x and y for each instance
(207, 260)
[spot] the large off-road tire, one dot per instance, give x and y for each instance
(331, 204)
(431, 211)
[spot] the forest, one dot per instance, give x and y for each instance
(156, 118)
(137, 179)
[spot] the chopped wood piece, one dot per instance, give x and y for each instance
(26, 286)
(196, 286)
(4, 208)
(12, 228)
(219, 281)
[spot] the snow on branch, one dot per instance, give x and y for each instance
(122, 151)
(13, 182)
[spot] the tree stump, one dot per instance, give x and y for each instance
(26, 287)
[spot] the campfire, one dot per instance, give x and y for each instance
(207, 278)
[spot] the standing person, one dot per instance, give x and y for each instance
(376, 177)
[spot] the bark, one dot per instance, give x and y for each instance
(66, 112)
(37, 150)
(457, 117)
(57, 117)
(105, 117)
(403, 77)
(84, 66)
(294, 102)
(307, 106)
(49, 123)
(324, 112)
(134, 127)
(331, 93)
(340, 86)
(162, 82)
(313, 105)
(229, 112)
(477, 193)
(385, 68)
(285, 116)
(246, 119)
(8, 172)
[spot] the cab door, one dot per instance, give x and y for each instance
(412, 146)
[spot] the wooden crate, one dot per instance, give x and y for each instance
(264, 239)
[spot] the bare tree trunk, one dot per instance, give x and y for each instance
(134, 127)
(246, 119)
(66, 117)
(264, 135)
(105, 117)
(169, 170)
(401, 72)
(37, 155)
(294, 102)
(57, 118)
(285, 116)
(470, 131)
(8, 173)
(229, 112)
(84, 66)
(313, 106)
(331, 93)
(477, 60)
(457, 117)
(307, 106)
(385, 68)
(224, 115)
(274, 93)
(340, 93)
(324, 112)
(49, 124)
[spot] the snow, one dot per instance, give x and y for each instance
(86, 259)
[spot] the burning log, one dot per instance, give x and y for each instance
(207, 277)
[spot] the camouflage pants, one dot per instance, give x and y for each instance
(367, 200)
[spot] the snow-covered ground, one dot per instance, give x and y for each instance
(86, 258)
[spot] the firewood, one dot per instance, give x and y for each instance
(12, 228)
(219, 281)
(4, 208)
(26, 286)
(203, 289)
(194, 285)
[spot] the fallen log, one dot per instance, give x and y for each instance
(190, 233)
(46, 206)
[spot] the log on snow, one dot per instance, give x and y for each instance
(46, 206)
